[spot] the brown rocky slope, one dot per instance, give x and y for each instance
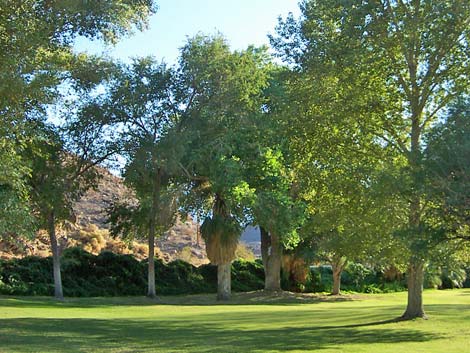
(91, 231)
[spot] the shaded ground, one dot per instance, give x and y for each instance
(253, 322)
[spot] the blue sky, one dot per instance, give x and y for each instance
(242, 22)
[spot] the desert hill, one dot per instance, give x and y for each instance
(90, 231)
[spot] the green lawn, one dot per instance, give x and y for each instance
(252, 323)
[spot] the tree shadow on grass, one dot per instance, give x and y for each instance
(247, 298)
(83, 335)
(50, 302)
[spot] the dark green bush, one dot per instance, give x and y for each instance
(445, 277)
(356, 277)
(209, 273)
(109, 274)
(320, 279)
(390, 287)
(179, 277)
(28, 276)
(247, 276)
(466, 283)
(454, 277)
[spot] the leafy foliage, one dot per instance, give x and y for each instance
(447, 169)
(108, 274)
(37, 63)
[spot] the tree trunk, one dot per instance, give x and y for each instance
(415, 308)
(151, 265)
(58, 293)
(271, 252)
(337, 265)
(151, 291)
(224, 285)
(336, 282)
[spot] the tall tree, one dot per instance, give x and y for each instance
(59, 177)
(352, 213)
(277, 208)
(36, 39)
(141, 105)
(395, 66)
(222, 90)
(35, 50)
(64, 158)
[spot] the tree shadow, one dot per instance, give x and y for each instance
(82, 335)
(247, 298)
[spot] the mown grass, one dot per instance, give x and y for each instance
(252, 323)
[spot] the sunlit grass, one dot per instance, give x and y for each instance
(252, 323)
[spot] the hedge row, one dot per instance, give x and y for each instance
(109, 274)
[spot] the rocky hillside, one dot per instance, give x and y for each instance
(90, 209)
(90, 231)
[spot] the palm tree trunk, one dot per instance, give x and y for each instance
(58, 293)
(224, 285)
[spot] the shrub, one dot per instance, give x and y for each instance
(31, 275)
(178, 277)
(356, 277)
(315, 280)
(371, 288)
(110, 274)
(452, 278)
(247, 275)
(466, 283)
(320, 279)
(446, 277)
(390, 287)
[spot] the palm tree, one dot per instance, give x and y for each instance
(221, 233)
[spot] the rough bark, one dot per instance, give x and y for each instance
(151, 291)
(337, 266)
(224, 285)
(415, 308)
(271, 252)
(58, 293)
